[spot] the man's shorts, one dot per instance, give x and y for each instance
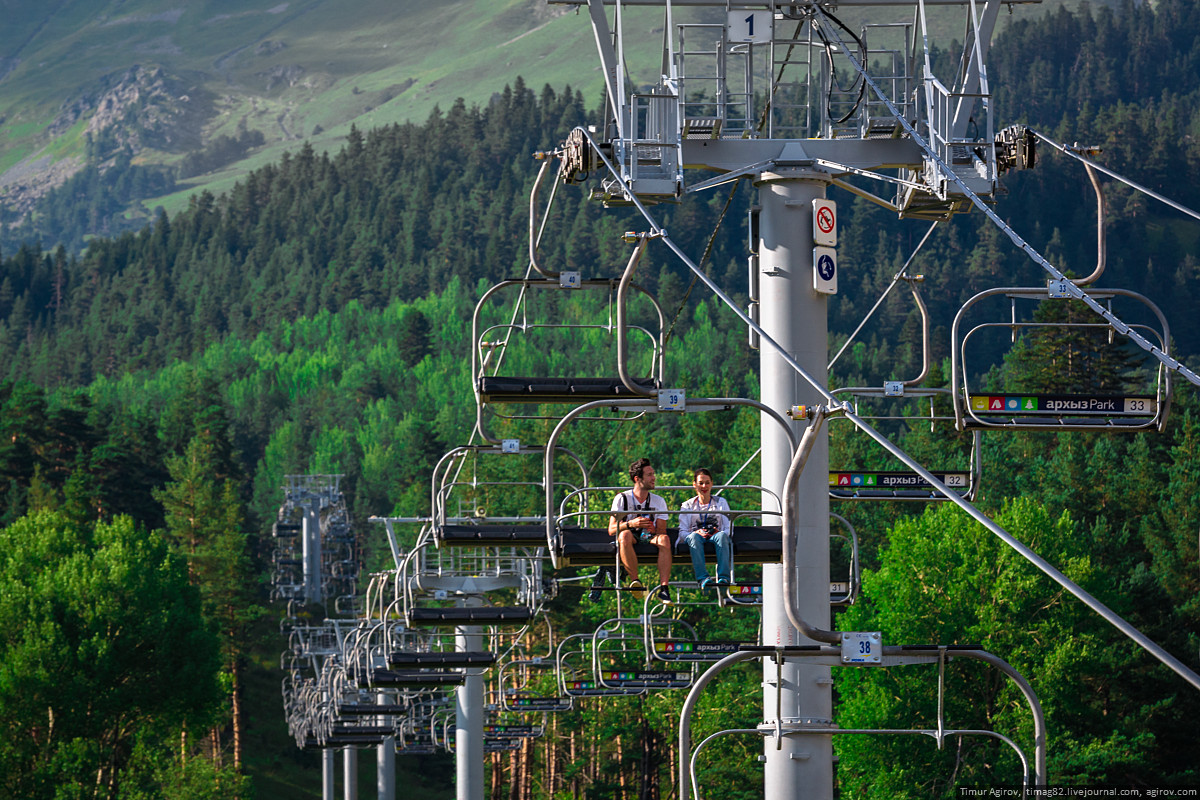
(646, 536)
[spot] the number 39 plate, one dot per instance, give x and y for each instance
(672, 400)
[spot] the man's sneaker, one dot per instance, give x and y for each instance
(636, 589)
(723, 581)
(597, 584)
(663, 595)
(706, 583)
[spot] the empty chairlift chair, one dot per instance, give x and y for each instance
(476, 490)
(674, 640)
(858, 483)
(453, 586)
(494, 346)
(1077, 375)
(518, 690)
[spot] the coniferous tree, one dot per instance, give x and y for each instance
(206, 522)
(1059, 359)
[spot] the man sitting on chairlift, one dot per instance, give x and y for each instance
(639, 515)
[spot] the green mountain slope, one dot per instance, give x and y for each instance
(79, 81)
(290, 70)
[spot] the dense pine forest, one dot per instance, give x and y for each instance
(157, 386)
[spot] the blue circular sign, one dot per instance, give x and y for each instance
(825, 267)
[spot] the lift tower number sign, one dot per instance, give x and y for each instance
(750, 26)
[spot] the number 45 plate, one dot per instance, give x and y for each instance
(862, 647)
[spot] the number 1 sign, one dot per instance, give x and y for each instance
(750, 26)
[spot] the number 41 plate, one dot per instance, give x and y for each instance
(862, 647)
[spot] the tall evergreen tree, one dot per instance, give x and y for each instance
(206, 522)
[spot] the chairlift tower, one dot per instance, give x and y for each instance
(788, 96)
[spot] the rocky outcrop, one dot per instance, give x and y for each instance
(133, 110)
(139, 108)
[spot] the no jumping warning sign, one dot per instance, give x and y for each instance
(824, 223)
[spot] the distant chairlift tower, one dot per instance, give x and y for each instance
(788, 96)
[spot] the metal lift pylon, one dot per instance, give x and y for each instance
(794, 315)
(468, 720)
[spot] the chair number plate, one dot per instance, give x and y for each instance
(672, 400)
(862, 647)
(1058, 289)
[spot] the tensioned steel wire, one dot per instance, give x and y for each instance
(845, 409)
(1133, 184)
(895, 281)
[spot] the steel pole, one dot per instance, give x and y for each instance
(312, 551)
(468, 725)
(794, 315)
(350, 773)
(328, 774)
(385, 764)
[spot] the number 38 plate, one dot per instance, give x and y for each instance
(862, 647)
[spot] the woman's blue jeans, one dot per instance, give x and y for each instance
(721, 544)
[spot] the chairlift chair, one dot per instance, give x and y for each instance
(1107, 409)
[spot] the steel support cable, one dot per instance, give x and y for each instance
(1064, 149)
(1054, 574)
(707, 252)
(742, 468)
(1069, 287)
(882, 297)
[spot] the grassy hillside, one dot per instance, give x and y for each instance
(291, 70)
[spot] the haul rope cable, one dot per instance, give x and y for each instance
(1111, 174)
(895, 280)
